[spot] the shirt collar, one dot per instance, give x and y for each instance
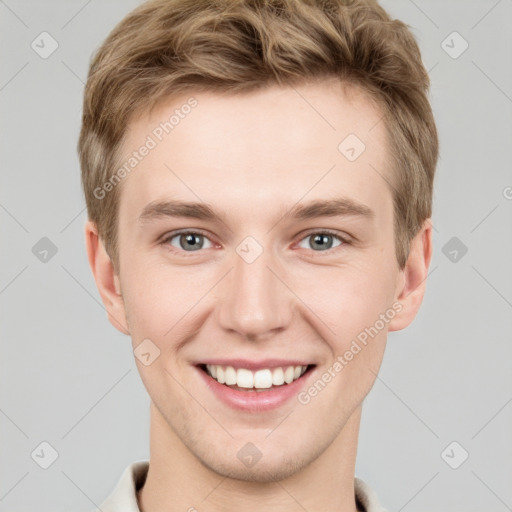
(124, 495)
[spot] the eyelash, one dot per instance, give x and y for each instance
(170, 236)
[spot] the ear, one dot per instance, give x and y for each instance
(106, 280)
(412, 279)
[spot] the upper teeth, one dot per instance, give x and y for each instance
(260, 379)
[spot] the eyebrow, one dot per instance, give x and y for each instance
(318, 208)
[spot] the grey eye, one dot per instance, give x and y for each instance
(189, 242)
(321, 241)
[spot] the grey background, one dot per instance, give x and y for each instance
(69, 378)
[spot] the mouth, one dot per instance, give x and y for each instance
(255, 386)
(257, 380)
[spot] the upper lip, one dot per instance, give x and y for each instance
(254, 364)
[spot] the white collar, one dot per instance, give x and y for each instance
(124, 495)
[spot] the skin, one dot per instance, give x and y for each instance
(253, 156)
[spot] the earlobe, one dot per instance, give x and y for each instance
(107, 281)
(412, 279)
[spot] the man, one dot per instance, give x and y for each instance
(258, 177)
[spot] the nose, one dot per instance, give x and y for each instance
(254, 301)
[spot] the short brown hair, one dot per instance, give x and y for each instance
(166, 47)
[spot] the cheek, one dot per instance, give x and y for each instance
(357, 307)
(160, 300)
(348, 298)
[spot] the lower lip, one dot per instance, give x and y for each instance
(255, 401)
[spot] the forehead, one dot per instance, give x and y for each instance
(275, 145)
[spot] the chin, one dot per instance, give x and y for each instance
(262, 472)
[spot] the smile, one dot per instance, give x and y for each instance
(266, 386)
(243, 379)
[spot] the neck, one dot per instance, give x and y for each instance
(178, 481)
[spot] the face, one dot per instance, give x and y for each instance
(285, 259)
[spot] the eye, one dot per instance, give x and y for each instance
(323, 240)
(186, 240)
(193, 241)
